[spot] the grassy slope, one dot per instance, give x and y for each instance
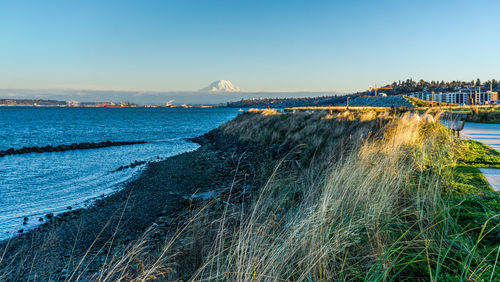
(423, 103)
(320, 136)
(376, 214)
(473, 155)
(491, 115)
(477, 154)
(365, 197)
(476, 204)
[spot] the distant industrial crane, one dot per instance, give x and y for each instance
(378, 88)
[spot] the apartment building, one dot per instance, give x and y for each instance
(460, 97)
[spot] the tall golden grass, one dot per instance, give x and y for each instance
(371, 209)
(379, 202)
(324, 137)
(375, 214)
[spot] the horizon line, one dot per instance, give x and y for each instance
(183, 91)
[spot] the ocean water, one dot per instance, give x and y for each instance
(35, 184)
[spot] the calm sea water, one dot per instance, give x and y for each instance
(32, 185)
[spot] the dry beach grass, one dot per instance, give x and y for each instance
(375, 213)
(358, 196)
(379, 212)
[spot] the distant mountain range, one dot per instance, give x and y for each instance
(221, 91)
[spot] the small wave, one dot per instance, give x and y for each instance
(166, 140)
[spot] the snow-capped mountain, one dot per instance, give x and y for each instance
(221, 86)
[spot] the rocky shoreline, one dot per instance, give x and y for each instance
(158, 199)
(70, 147)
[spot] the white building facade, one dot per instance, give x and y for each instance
(461, 97)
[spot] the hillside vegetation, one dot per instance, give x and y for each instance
(424, 103)
(359, 196)
(370, 197)
(486, 115)
(381, 212)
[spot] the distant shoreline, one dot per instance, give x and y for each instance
(112, 107)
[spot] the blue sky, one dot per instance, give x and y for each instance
(258, 45)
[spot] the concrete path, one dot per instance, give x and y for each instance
(488, 134)
(493, 177)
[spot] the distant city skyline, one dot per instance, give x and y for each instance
(268, 46)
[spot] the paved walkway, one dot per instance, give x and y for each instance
(488, 134)
(493, 177)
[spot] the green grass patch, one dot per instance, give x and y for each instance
(470, 180)
(475, 208)
(424, 103)
(472, 155)
(478, 215)
(476, 154)
(491, 115)
(459, 110)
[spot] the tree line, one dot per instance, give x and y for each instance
(410, 85)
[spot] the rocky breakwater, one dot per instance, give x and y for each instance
(70, 147)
